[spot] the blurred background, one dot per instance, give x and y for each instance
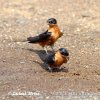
(20, 67)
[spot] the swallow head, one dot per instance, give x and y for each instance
(64, 52)
(52, 21)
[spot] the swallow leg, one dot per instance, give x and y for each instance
(45, 48)
(48, 67)
(52, 47)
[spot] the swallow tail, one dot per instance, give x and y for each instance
(42, 37)
(33, 39)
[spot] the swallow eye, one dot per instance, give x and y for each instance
(51, 22)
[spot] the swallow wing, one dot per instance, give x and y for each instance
(41, 37)
(50, 59)
(44, 36)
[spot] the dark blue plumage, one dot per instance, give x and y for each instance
(41, 37)
(64, 52)
(50, 58)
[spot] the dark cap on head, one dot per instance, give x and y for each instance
(64, 52)
(52, 21)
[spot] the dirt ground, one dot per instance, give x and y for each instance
(21, 65)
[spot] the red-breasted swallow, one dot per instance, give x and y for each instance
(56, 59)
(49, 37)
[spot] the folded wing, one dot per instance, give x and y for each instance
(50, 59)
(41, 37)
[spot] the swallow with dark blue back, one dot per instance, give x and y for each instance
(49, 37)
(56, 59)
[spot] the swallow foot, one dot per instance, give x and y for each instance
(46, 50)
(50, 69)
(47, 67)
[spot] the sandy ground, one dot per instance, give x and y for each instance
(21, 65)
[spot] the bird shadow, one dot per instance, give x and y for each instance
(42, 55)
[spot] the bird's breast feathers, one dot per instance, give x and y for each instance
(59, 59)
(55, 34)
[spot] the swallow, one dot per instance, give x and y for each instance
(49, 37)
(56, 59)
